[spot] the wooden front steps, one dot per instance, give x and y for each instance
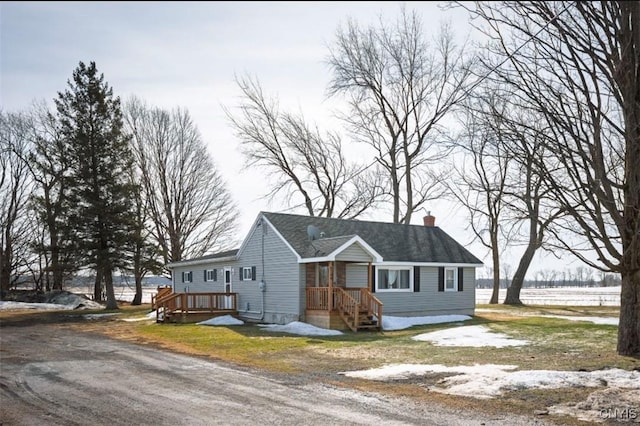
(366, 321)
(359, 309)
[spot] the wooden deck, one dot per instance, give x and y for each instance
(194, 307)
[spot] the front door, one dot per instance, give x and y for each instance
(228, 287)
(228, 273)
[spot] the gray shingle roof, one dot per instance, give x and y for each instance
(324, 246)
(221, 254)
(394, 242)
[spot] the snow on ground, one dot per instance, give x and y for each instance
(59, 300)
(222, 320)
(471, 335)
(573, 296)
(150, 315)
(489, 380)
(400, 323)
(5, 305)
(595, 320)
(301, 328)
(388, 323)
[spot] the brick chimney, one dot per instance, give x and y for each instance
(429, 220)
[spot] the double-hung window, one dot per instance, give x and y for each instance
(187, 277)
(211, 275)
(451, 279)
(247, 273)
(394, 279)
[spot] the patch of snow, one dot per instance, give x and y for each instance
(470, 335)
(97, 316)
(7, 305)
(595, 320)
(54, 300)
(301, 328)
(608, 404)
(400, 323)
(489, 381)
(222, 320)
(150, 315)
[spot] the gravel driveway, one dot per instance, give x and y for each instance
(51, 374)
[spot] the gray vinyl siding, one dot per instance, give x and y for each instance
(354, 253)
(430, 301)
(281, 274)
(198, 285)
(357, 275)
(280, 271)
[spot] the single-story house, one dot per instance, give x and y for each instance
(335, 272)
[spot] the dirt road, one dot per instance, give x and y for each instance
(53, 375)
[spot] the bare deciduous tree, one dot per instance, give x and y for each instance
(144, 253)
(189, 205)
(49, 168)
(480, 184)
(15, 190)
(400, 89)
(301, 160)
(576, 65)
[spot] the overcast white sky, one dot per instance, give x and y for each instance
(186, 54)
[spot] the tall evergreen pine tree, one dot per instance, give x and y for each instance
(100, 193)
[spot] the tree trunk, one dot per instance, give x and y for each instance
(97, 286)
(395, 189)
(111, 297)
(496, 271)
(629, 328)
(4, 274)
(513, 291)
(137, 299)
(55, 263)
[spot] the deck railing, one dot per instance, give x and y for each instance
(194, 302)
(162, 292)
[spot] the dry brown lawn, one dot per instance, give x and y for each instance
(555, 344)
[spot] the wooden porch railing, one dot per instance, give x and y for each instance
(318, 298)
(372, 304)
(185, 303)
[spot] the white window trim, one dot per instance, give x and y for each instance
(455, 279)
(395, 290)
(244, 275)
(210, 278)
(187, 277)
